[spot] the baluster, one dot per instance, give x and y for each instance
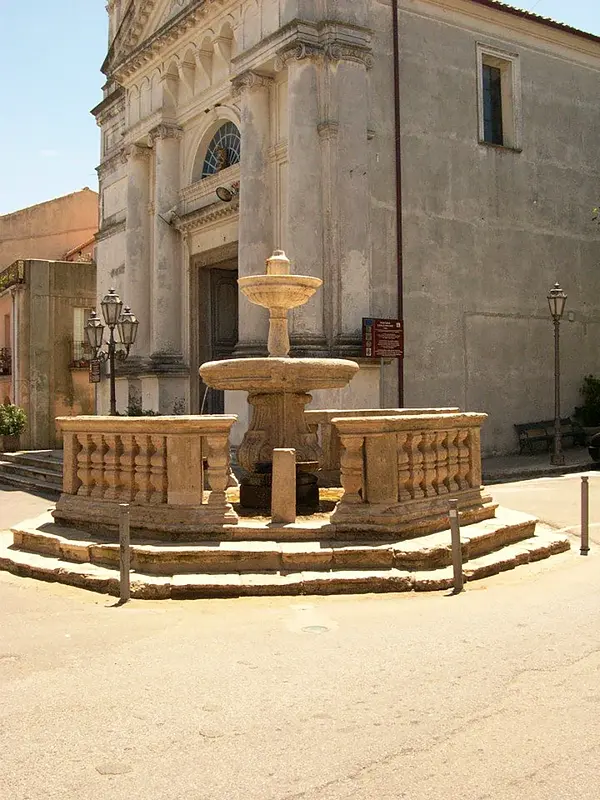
(403, 468)
(158, 470)
(452, 481)
(129, 450)
(142, 459)
(352, 468)
(429, 471)
(415, 460)
(218, 469)
(463, 459)
(441, 462)
(112, 467)
(71, 448)
(97, 465)
(84, 464)
(474, 443)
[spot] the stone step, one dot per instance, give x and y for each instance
(14, 475)
(433, 551)
(234, 584)
(51, 460)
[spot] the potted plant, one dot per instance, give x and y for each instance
(588, 414)
(12, 424)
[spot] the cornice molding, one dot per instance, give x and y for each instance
(197, 219)
(112, 163)
(110, 230)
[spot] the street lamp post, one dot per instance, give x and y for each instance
(556, 300)
(126, 323)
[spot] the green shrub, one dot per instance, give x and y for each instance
(588, 414)
(12, 420)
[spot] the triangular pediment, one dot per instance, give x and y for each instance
(141, 20)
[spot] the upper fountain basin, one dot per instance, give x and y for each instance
(273, 375)
(279, 291)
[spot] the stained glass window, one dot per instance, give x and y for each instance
(223, 150)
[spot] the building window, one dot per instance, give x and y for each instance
(223, 150)
(499, 97)
(80, 352)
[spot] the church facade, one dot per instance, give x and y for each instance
(431, 161)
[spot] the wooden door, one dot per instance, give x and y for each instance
(224, 326)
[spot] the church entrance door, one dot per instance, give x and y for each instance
(217, 332)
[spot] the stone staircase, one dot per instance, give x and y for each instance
(33, 470)
(253, 558)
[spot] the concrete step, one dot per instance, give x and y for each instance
(433, 551)
(200, 585)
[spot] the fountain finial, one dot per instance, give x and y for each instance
(278, 264)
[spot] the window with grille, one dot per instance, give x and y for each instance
(223, 150)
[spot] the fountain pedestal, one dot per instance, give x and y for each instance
(278, 387)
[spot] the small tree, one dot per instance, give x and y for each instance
(12, 420)
(588, 414)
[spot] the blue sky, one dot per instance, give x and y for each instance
(50, 57)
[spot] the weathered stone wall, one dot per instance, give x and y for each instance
(488, 230)
(46, 384)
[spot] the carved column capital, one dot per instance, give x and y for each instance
(338, 51)
(250, 80)
(135, 151)
(296, 52)
(165, 131)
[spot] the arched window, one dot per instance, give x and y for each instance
(223, 150)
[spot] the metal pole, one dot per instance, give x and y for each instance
(111, 365)
(558, 457)
(381, 372)
(585, 517)
(124, 553)
(456, 548)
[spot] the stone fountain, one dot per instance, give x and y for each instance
(278, 388)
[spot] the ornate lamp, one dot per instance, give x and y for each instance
(556, 301)
(94, 332)
(111, 306)
(128, 326)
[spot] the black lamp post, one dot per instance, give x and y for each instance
(126, 324)
(556, 300)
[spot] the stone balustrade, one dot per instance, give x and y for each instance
(320, 423)
(156, 464)
(399, 471)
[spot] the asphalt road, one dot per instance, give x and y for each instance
(491, 694)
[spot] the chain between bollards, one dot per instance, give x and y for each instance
(585, 516)
(457, 565)
(124, 554)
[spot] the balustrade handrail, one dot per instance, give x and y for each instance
(400, 422)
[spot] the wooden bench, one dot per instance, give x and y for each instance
(531, 433)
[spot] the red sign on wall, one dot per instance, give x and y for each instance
(383, 338)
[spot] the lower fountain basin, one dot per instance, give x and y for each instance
(278, 374)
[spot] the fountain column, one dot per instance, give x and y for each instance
(256, 218)
(305, 200)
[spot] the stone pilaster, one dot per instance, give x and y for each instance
(305, 200)
(137, 244)
(348, 230)
(166, 325)
(256, 203)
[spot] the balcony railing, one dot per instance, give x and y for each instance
(81, 355)
(12, 275)
(5, 361)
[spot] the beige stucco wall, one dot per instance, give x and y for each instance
(50, 229)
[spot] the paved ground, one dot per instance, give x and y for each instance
(491, 695)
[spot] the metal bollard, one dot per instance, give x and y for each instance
(124, 553)
(585, 516)
(457, 564)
